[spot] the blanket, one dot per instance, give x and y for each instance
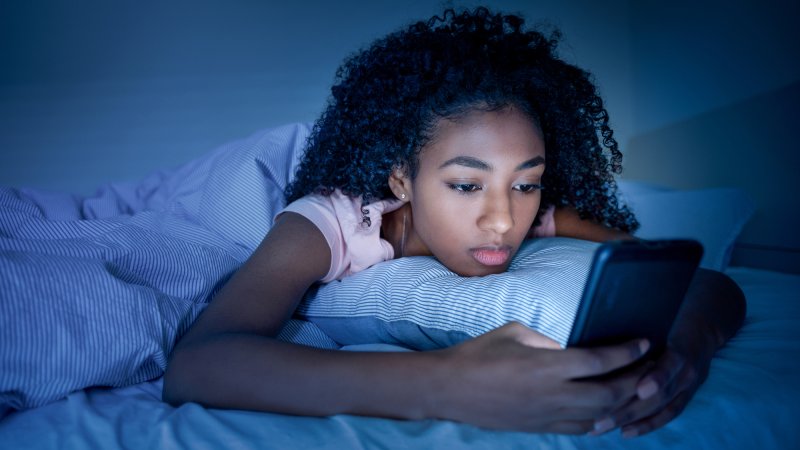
(95, 291)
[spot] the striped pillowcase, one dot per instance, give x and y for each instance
(418, 303)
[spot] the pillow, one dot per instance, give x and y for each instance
(418, 303)
(715, 217)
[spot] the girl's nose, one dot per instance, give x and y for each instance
(496, 216)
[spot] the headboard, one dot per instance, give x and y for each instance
(751, 145)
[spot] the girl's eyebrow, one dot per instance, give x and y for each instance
(475, 163)
(533, 162)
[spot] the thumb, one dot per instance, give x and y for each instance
(529, 337)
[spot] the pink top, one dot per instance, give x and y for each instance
(356, 244)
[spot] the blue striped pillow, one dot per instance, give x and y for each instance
(418, 303)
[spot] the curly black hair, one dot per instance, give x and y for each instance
(388, 98)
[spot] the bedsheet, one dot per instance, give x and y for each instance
(751, 400)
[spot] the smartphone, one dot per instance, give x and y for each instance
(634, 290)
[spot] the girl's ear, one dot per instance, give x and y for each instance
(400, 184)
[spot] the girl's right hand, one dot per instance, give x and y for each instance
(515, 378)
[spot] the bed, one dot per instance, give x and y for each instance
(95, 289)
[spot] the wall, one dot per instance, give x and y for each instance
(749, 145)
(690, 57)
(716, 88)
(96, 91)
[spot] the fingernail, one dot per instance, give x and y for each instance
(647, 390)
(601, 426)
(644, 345)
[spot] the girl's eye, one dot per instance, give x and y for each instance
(526, 188)
(464, 188)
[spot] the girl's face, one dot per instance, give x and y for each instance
(477, 193)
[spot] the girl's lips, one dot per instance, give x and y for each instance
(491, 256)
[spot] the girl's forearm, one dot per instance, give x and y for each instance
(715, 307)
(240, 371)
(500, 379)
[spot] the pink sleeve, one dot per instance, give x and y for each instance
(320, 211)
(547, 227)
(355, 245)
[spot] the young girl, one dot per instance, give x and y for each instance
(457, 138)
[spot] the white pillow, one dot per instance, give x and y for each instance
(418, 303)
(715, 217)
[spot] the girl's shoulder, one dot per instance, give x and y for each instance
(351, 229)
(338, 208)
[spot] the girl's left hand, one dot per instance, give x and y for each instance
(663, 391)
(713, 310)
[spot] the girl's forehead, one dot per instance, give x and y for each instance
(484, 130)
(475, 120)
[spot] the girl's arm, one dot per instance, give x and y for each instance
(503, 379)
(712, 312)
(569, 224)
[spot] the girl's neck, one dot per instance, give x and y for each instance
(397, 227)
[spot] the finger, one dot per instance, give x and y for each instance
(630, 407)
(601, 360)
(658, 420)
(530, 337)
(606, 395)
(639, 409)
(629, 413)
(573, 413)
(597, 398)
(662, 375)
